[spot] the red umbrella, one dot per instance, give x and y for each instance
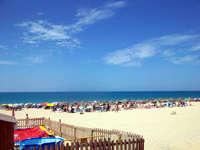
(22, 134)
(44, 104)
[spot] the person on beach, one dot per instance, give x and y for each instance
(157, 104)
(77, 107)
(108, 107)
(54, 108)
(117, 108)
(67, 108)
(94, 107)
(13, 112)
(168, 103)
(81, 110)
(27, 119)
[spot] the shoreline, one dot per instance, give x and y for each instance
(102, 106)
(39, 97)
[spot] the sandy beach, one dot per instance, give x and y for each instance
(161, 130)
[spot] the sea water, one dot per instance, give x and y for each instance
(38, 97)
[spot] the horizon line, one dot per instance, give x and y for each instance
(102, 91)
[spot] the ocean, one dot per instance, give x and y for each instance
(38, 97)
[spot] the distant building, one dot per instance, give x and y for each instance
(7, 124)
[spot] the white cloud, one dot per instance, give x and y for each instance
(6, 62)
(44, 31)
(35, 59)
(92, 16)
(174, 39)
(131, 56)
(62, 35)
(184, 59)
(40, 13)
(168, 53)
(143, 50)
(166, 46)
(3, 47)
(70, 44)
(117, 4)
(119, 57)
(196, 48)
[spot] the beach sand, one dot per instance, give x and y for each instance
(161, 130)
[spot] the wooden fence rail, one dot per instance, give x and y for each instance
(116, 134)
(29, 123)
(100, 145)
(72, 132)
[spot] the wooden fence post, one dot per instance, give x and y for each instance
(67, 146)
(77, 145)
(125, 144)
(72, 146)
(81, 146)
(56, 147)
(129, 144)
(133, 144)
(92, 134)
(46, 147)
(43, 121)
(112, 145)
(40, 148)
(51, 147)
(75, 133)
(137, 144)
(60, 130)
(121, 144)
(142, 144)
(86, 146)
(62, 146)
(109, 144)
(91, 145)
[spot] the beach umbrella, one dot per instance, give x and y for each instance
(185, 99)
(15, 105)
(28, 105)
(50, 105)
(4, 104)
(55, 103)
(125, 100)
(43, 104)
(157, 102)
(10, 105)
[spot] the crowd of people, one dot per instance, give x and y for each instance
(81, 107)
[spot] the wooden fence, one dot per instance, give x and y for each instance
(29, 123)
(100, 145)
(71, 132)
(75, 133)
(114, 134)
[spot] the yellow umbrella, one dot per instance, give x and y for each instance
(49, 132)
(50, 105)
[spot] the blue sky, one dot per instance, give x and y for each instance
(101, 45)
